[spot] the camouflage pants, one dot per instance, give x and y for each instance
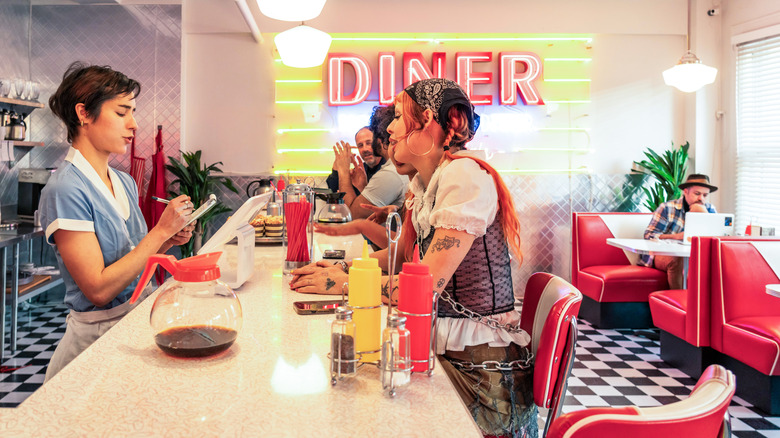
(501, 402)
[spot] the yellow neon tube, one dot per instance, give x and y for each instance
(569, 59)
(302, 172)
(298, 101)
(284, 130)
(288, 150)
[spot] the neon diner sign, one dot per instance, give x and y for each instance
(513, 80)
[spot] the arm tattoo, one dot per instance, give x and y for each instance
(440, 284)
(446, 243)
(329, 283)
(386, 286)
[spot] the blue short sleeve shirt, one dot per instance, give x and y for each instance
(76, 199)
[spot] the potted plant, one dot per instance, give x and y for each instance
(668, 171)
(196, 180)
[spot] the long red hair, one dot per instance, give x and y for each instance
(458, 131)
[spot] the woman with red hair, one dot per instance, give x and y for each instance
(462, 218)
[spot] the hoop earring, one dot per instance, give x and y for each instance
(82, 123)
(433, 145)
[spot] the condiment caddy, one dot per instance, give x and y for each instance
(361, 316)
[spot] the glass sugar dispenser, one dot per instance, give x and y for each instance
(195, 314)
(395, 364)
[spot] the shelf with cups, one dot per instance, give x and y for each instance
(22, 104)
(18, 143)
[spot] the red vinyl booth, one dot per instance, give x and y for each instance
(703, 414)
(549, 315)
(615, 291)
(746, 320)
(683, 315)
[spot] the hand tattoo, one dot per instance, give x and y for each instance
(329, 283)
(440, 283)
(446, 243)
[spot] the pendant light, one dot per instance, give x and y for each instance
(689, 74)
(291, 10)
(302, 46)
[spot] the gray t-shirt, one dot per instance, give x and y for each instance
(386, 187)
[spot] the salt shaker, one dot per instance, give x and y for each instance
(343, 361)
(396, 364)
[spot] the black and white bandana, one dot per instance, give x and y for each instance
(439, 95)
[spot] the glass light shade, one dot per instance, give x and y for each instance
(291, 10)
(302, 46)
(690, 74)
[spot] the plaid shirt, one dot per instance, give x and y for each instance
(668, 218)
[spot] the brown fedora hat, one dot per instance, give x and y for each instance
(698, 179)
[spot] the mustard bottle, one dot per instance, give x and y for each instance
(365, 299)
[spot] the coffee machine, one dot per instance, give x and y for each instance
(31, 182)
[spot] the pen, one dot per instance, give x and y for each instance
(164, 201)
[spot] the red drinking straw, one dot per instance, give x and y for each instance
(297, 216)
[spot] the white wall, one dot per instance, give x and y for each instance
(739, 16)
(634, 42)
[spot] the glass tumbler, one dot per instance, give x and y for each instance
(5, 87)
(19, 86)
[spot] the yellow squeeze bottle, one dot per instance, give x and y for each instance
(365, 299)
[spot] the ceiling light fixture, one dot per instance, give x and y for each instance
(689, 74)
(302, 46)
(291, 10)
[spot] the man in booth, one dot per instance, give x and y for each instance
(668, 222)
(364, 139)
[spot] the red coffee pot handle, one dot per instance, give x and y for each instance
(168, 262)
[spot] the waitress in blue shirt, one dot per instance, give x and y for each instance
(90, 211)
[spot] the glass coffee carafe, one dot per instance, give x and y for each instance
(196, 314)
(335, 211)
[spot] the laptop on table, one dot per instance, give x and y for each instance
(707, 224)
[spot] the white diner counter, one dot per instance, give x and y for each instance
(273, 381)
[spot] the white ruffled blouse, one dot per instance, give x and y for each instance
(461, 196)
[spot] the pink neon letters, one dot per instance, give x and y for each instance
(512, 80)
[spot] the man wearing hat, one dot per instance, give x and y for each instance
(668, 222)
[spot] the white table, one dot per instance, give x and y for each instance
(656, 248)
(773, 289)
(274, 381)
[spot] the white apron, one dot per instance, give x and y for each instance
(84, 328)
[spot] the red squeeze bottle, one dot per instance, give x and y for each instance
(415, 296)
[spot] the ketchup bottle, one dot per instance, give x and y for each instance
(415, 297)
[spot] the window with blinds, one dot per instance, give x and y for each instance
(758, 133)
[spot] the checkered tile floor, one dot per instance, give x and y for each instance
(617, 368)
(612, 368)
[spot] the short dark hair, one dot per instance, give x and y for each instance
(381, 118)
(91, 85)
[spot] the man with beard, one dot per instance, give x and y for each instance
(668, 222)
(387, 186)
(371, 163)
